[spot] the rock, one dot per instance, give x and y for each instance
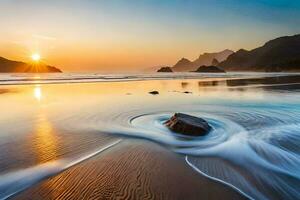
(165, 69)
(154, 92)
(210, 69)
(188, 125)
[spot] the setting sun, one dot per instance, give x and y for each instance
(35, 57)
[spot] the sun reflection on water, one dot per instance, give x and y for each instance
(37, 92)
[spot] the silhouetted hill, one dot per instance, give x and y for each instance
(183, 65)
(281, 54)
(204, 59)
(207, 58)
(10, 66)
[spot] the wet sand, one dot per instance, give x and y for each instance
(133, 169)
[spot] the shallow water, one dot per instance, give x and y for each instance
(254, 146)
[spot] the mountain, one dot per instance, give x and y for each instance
(281, 54)
(183, 65)
(207, 58)
(204, 59)
(10, 66)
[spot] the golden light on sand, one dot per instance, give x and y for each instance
(36, 57)
(46, 140)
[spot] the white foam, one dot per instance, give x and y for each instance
(216, 179)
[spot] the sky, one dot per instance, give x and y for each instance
(132, 35)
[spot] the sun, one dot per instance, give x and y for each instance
(36, 57)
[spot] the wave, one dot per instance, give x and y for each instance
(46, 78)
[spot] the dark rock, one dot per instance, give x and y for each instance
(210, 69)
(188, 125)
(154, 92)
(165, 69)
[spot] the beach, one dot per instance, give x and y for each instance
(103, 137)
(131, 170)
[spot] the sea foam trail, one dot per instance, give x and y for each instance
(216, 179)
(17, 181)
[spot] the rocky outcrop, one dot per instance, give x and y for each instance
(165, 69)
(10, 66)
(188, 125)
(210, 69)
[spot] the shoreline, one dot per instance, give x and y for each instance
(95, 78)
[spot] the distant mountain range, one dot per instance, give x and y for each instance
(204, 59)
(10, 66)
(281, 54)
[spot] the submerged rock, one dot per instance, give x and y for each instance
(154, 92)
(188, 125)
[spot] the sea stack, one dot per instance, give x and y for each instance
(188, 125)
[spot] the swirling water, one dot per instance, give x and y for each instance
(254, 146)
